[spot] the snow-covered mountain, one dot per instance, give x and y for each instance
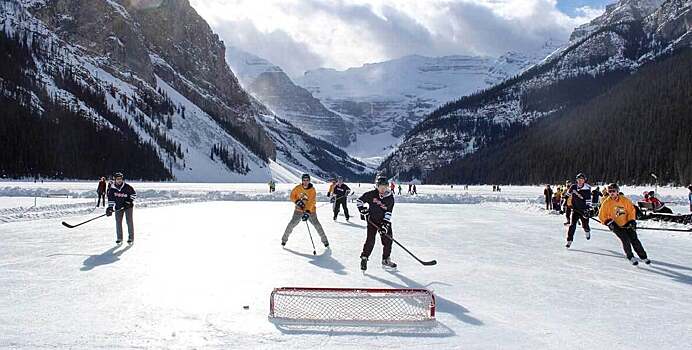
(628, 35)
(385, 100)
(269, 84)
(155, 73)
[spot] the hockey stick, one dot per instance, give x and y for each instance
(425, 263)
(337, 198)
(92, 219)
(664, 229)
(639, 228)
(314, 251)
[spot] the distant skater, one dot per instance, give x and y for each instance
(101, 192)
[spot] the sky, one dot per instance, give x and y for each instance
(300, 35)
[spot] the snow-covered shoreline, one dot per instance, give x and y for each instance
(18, 200)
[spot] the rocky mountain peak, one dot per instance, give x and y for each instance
(619, 12)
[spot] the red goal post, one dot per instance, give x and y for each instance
(352, 305)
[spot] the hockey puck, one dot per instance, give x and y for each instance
(246, 307)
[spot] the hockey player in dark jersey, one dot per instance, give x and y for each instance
(121, 197)
(581, 208)
(378, 213)
(339, 197)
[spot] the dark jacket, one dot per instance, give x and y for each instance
(595, 196)
(380, 207)
(581, 197)
(118, 196)
(102, 187)
(548, 193)
(340, 192)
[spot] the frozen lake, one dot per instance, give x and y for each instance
(503, 279)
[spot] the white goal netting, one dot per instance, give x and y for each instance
(352, 305)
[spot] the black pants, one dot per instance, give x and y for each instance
(101, 199)
(629, 240)
(548, 204)
(568, 213)
(341, 202)
(370, 242)
(127, 213)
(573, 224)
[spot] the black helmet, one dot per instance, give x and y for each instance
(614, 186)
(381, 180)
(305, 177)
(580, 176)
(117, 175)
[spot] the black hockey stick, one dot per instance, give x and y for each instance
(337, 198)
(425, 263)
(314, 251)
(639, 228)
(92, 219)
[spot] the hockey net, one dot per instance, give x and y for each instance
(349, 305)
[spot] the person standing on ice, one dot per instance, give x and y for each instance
(339, 194)
(689, 196)
(581, 208)
(121, 198)
(304, 197)
(378, 214)
(618, 213)
(101, 192)
(567, 198)
(548, 194)
(595, 196)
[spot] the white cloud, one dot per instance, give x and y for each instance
(305, 34)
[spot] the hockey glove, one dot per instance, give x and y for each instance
(363, 211)
(306, 216)
(631, 225)
(384, 228)
(332, 200)
(300, 204)
(109, 211)
(129, 204)
(611, 225)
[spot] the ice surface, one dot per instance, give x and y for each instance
(503, 279)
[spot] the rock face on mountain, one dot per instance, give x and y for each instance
(269, 84)
(385, 100)
(154, 70)
(599, 55)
